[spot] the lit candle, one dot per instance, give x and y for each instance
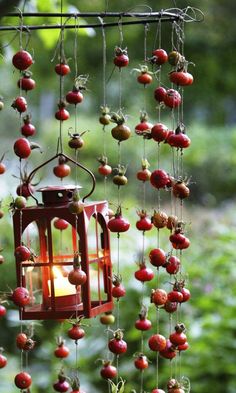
(62, 287)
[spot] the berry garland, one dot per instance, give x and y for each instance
(160, 179)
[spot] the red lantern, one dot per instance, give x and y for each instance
(46, 275)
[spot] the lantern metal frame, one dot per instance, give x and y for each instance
(55, 204)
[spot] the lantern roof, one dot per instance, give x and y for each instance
(59, 188)
(58, 195)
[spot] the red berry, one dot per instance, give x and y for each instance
(61, 351)
(175, 296)
(144, 224)
(108, 371)
(144, 78)
(143, 128)
(186, 295)
(22, 148)
(60, 224)
(181, 78)
(143, 174)
(105, 170)
(121, 59)
(173, 265)
(76, 332)
(157, 342)
(183, 347)
(157, 391)
(177, 238)
(144, 273)
(159, 297)
(160, 56)
(160, 94)
(159, 132)
(23, 380)
(159, 178)
(172, 98)
(3, 311)
(23, 190)
(62, 69)
(62, 114)
(170, 307)
(143, 324)
(2, 168)
(118, 224)
(62, 170)
(118, 291)
(20, 104)
(26, 83)
(22, 253)
(74, 97)
(180, 140)
(183, 245)
(117, 345)
(141, 362)
(27, 129)
(62, 385)
(21, 340)
(180, 190)
(20, 296)
(22, 60)
(178, 338)
(24, 342)
(157, 257)
(3, 361)
(77, 277)
(169, 352)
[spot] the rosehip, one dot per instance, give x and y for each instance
(157, 257)
(20, 104)
(157, 342)
(159, 178)
(108, 371)
(158, 297)
(22, 60)
(23, 380)
(20, 296)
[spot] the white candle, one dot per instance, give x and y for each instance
(62, 287)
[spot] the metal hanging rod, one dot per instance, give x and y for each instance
(160, 14)
(83, 26)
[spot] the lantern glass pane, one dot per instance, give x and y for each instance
(96, 261)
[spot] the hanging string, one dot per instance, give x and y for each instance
(120, 27)
(61, 82)
(76, 45)
(158, 35)
(21, 29)
(104, 60)
(104, 106)
(146, 29)
(106, 10)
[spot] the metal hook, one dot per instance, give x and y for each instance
(33, 172)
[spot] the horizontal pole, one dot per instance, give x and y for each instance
(160, 14)
(73, 26)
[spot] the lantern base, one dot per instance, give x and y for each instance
(39, 312)
(63, 301)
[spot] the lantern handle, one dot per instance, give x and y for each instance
(32, 173)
